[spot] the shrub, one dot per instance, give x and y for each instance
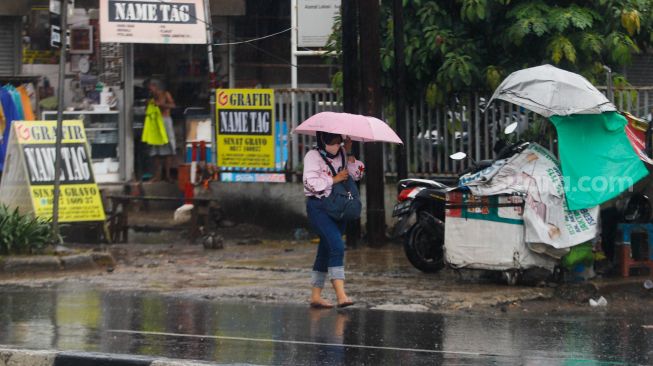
(22, 234)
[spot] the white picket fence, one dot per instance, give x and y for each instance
(435, 133)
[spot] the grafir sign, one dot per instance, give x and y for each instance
(28, 180)
(153, 21)
(245, 128)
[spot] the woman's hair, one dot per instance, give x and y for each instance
(324, 137)
(157, 83)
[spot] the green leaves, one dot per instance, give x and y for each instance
(493, 77)
(429, 13)
(591, 43)
(561, 47)
(620, 47)
(457, 70)
(458, 45)
(473, 10)
(21, 234)
(528, 19)
(533, 25)
(561, 19)
(434, 95)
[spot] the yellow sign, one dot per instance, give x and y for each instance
(245, 128)
(30, 164)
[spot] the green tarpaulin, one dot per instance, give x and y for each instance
(598, 162)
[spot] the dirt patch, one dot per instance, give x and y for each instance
(254, 267)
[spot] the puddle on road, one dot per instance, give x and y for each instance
(68, 318)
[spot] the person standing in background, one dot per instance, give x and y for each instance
(163, 153)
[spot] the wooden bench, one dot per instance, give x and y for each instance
(118, 218)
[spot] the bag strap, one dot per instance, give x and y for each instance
(333, 170)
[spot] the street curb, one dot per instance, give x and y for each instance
(51, 263)
(23, 357)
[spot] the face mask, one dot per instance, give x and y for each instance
(332, 149)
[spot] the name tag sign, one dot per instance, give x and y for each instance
(28, 178)
(142, 21)
(245, 128)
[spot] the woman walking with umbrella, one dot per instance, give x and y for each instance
(324, 167)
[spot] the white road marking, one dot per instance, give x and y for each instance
(246, 339)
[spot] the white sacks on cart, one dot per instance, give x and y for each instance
(536, 173)
(487, 232)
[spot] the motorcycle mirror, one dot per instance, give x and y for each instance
(458, 156)
(510, 128)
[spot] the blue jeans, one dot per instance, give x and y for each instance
(331, 250)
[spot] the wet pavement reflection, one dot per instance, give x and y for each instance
(66, 318)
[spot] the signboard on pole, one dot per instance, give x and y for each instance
(245, 128)
(315, 21)
(28, 178)
(55, 7)
(55, 21)
(152, 21)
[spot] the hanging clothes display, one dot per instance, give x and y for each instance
(28, 112)
(11, 113)
(15, 105)
(2, 121)
(17, 101)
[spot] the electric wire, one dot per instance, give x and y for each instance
(249, 42)
(253, 39)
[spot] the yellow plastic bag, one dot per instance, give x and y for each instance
(154, 129)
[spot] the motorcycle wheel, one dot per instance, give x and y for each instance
(424, 251)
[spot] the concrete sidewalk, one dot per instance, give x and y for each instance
(25, 357)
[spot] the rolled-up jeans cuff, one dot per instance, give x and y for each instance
(337, 273)
(318, 279)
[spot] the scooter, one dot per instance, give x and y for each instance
(422, 205)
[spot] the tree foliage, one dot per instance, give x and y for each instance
(457, 45)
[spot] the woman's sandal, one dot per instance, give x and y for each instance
(319, 305)
(345, 304)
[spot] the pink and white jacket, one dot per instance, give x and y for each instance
(317, 175)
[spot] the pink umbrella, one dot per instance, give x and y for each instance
(357, 127)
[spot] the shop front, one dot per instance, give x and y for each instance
(105, 77)
(105, 74)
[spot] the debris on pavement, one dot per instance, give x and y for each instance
(601, 302)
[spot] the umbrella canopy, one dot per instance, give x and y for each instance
(357, 127)
(549, 91)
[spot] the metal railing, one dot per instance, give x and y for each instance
(308, 102)
(434, 133)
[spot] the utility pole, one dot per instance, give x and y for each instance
(212, 77)
(58, 133)
(400, 87)
(371, 91)
(350, 77)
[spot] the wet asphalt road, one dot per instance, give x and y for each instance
(270, 334)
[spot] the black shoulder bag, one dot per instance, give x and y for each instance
(344, 203)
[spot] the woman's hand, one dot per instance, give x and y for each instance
(341, 177)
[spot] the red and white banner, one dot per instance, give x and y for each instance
(152, 21)
(637, 137)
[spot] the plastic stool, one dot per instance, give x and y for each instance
(625, 256)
